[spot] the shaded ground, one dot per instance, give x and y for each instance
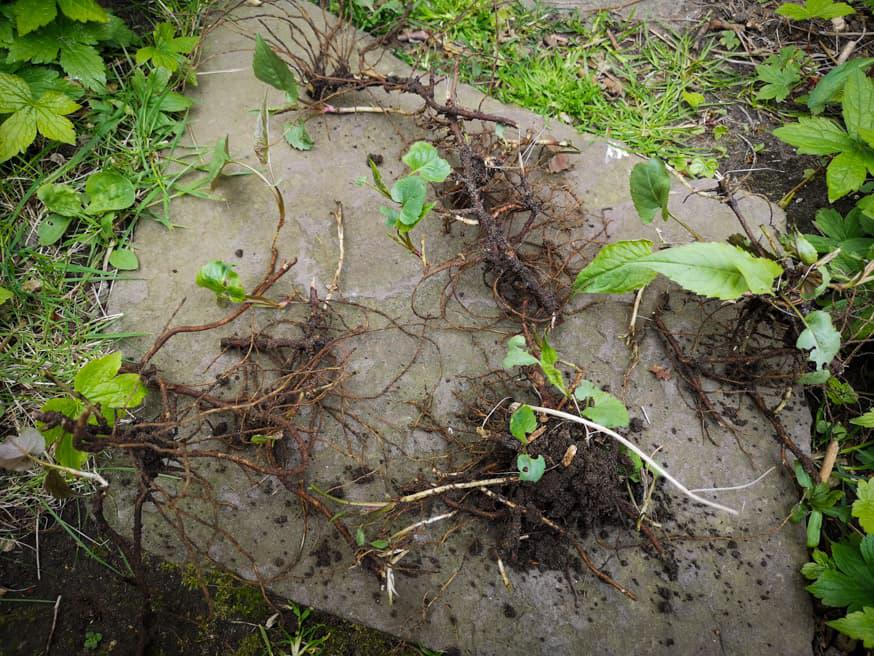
(97, 602)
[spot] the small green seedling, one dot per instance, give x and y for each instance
(168, 50)
(818, 500)
(408, 193)
(522, 424)
(92, 640)
(361, 540)
(221, 279)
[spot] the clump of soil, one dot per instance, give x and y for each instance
(587, 495)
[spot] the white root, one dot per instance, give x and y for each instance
(631, 446)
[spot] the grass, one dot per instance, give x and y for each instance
(607, 77)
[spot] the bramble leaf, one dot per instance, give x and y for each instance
(221, 279)
(858, 103)
(845, 174)
(650, 187)
(614, 270)
(83, 10)
(33, 14)
(270, 68)
(424, 160)
(814, 135)
(530, 469)
(820, 338)
(811, 9)
(830, 85)
(858, 625)
(517, 354)
(522, 423)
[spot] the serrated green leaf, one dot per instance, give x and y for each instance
(297, 136)
(530, 469)
(840, 392)
(602, 407)
(14, 93)
(53, 126)
(845, 174)
(830, 86)
(83, 10)
(614, 270)
(221, 279)
(522, 423)
(109, 191)
(858, 103)
(61, 199)
(812, 9)
(52, 228)
(517, 354)
(865, 421)
(84, 63)
(168, 50)
(863, 506)
(33, 14)
(716, 270)
(815, 136)
(16, 133)
(838, 588)
(781, 72)
(650, 187)
(866, 206)
(858, 625)
(423, 159)
(271, 69)
(820, 338)
(124, 259)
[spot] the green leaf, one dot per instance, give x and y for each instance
(814, 528)
(52, 228)
(377, 179)
(863, 506)
(49, 113)
(109, 191)
(168, 50)
(221, 279)
(548, 358)
(83, 10)
(716, 270)
(517, 354)
(274, 71)
(603, 408)
(14, 93)
(379, 544)
(817, 377)
(16, 133)
(410, 193)
(650, 187)
(522, 423)
(33, 14)
(96, 372)
(802, 476)
(66, 406)
(220, 157)
(840, 392)
(693, 99)
(820, 338)
(84, 63)
(845, 174)
(124, 259)
(97, 381)
(530, 469)
(865, 421)
(61, 199)
(360, 537)
(858, 103)
(830, 85)
(815, 136)
(614, 270)
(297, 136)
(781, 72)
(423, 159)
(851, 584)
(5, 295)
(811, 9)
(866, 206)
(858, 625)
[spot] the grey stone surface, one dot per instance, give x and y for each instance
(738, 597)
(673, 12)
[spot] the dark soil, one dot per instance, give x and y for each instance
(94, 600)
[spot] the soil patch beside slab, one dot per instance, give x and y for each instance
(416, 368)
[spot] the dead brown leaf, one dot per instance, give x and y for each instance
(660, 372)
(558, 163)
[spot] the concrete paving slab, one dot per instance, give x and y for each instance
(677, 13)
(736, 593)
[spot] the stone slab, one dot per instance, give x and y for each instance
(677, 13)
(746, 599)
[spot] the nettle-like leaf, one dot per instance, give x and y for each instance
(297, 136)
(423, 159)
(602, 407)
(530, 469)
(850, 583)
(271, 69)
(221, 278)
(650, 187)
(781, 72)
(830, 86)
(820, 338)
(812, 9)
(29, 115)
(814, 135)
(846, 173)
(715, 270)
(863, 506)
(523, 423)
(858, 625)
(109, 191)
(15, 452)
(865, 421)
(858, 104)
(169, 50)
(517, 353)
